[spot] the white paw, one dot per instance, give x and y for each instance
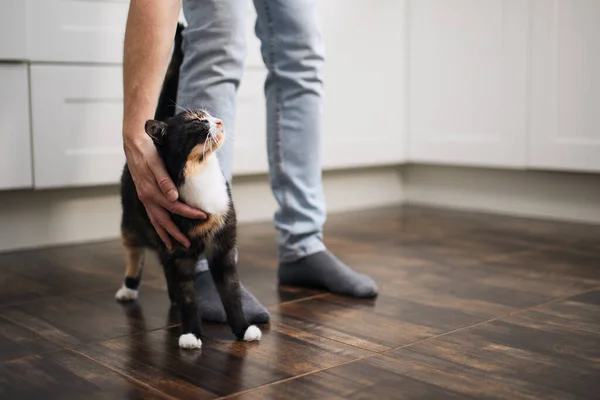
(126, 294)
(252, 334)
(189, 341)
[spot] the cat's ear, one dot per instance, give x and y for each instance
(156, 130)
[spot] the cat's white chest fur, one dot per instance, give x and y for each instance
(206, 189)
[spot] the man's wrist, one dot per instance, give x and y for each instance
(133, 137)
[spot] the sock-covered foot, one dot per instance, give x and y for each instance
(324, 270)
(212, 308)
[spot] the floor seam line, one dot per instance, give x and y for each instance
(291, 378)
(557, 324)
(315, 296)
(137, 381)
(510, 314)
(61, 345)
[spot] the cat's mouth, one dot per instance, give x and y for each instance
(212, 143)
(216, 135)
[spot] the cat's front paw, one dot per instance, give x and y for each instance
(189, 341)
(252, 334)
(126, 294)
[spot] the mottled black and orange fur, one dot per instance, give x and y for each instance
(214, 236)
(177, 139)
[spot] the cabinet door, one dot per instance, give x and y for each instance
(250, 146)
(77, 118)
(253, 54)
(468, 82)
(12, 30)
(364, 120)
(565, 89)
(15, 136)
(76, 30)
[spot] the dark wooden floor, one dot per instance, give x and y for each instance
(471, 306)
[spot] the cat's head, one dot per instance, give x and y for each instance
(186, 140)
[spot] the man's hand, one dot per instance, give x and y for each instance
(156, 190)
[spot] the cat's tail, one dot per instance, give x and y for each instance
(167, 107)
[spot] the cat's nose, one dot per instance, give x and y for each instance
(219, 123)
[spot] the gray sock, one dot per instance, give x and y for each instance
(324, 270)
(211, 306)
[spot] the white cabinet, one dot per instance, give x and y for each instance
(565, 88)
(13, 44)
(365, 110)
(77, 119)
(80, 31)
(249, 136)
(15, 145)
(76, 30)
(253, 54)
(468, 82)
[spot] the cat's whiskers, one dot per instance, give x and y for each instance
(203, 150)
(178, 106)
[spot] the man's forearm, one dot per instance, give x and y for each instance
(149, 34)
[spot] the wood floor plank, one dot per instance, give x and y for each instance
(16, 342)
(76, 319)
(375, 325)
(581, 312)
(383, 378)
(66, 375)
(222, 366)
(32, 275)
(572, 266)
(533, 358)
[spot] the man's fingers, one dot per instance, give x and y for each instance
(166, 185)
(161, 232)
(179, 208)
(165, 221)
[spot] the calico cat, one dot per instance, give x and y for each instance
(187, 143)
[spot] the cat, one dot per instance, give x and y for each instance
(187, 143)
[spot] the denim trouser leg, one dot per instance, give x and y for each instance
(214, 51)
(292, 49)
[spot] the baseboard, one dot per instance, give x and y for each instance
(551, 195)
(31, 219)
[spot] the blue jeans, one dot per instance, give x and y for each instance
(293, 52)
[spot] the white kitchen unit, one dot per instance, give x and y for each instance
(13, 45)
(76, 30)
(468, 82)
(253, 54)
(249, 136)
(565, 85)
(365, 110)
(76, 120)
(15, 134)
